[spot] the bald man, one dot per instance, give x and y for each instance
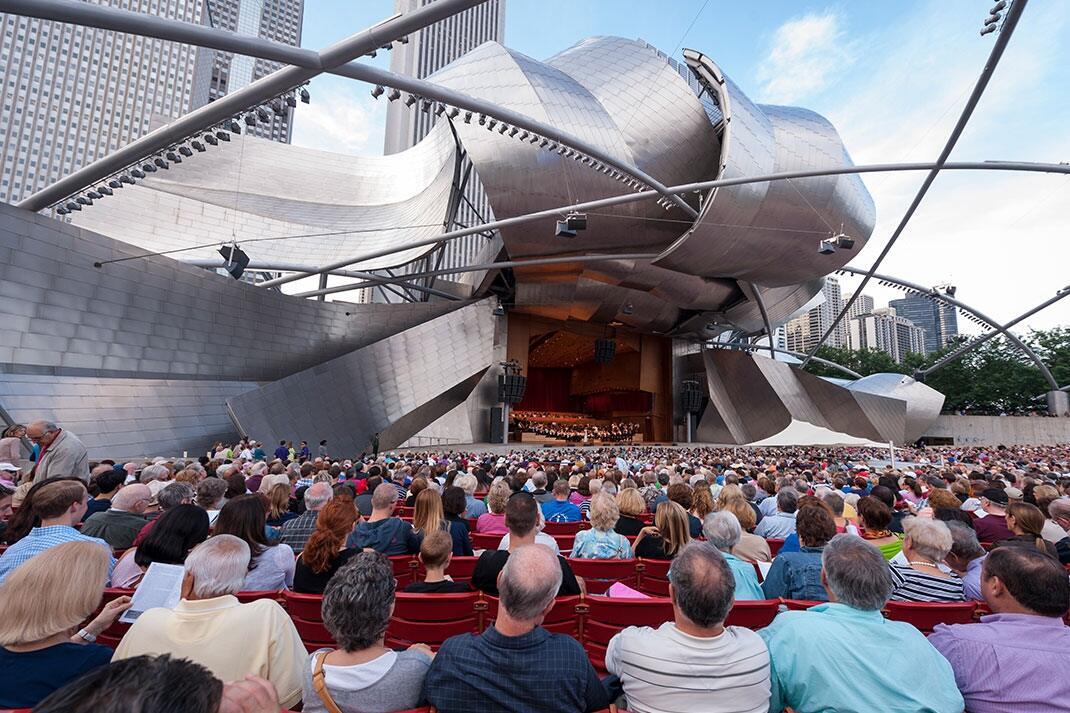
(119, 525)
(516, 664)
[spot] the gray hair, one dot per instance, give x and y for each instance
(609, 487)
(539, 479)
(1059, 508)
(750, 492)
(358, 601)
(929, 538)
(218, 565)
(210, 491)
(856, 572)
(964, 542)
(175, 494)
(153, 472)
(317, 495)
(787, 500)
(722, 529)
(834, 500)
(529, 582)
(466, 482)
(702, 584)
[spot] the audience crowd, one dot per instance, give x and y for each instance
(841, 529)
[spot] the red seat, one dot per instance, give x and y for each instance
(564, 543)
(646, 517)
(564, 528)
(753, 614)
(111, 636)
(606, 616)
(562, 619)
(402, 511)
(432, 618)
(472, 523)
(253, 595)
(926, 615)
(305, 611)
(459, 570)
(403, 568)
(16, 710)
(484, 541)
(654, 576)
(599, 575)
(775, 543)
(800, 604)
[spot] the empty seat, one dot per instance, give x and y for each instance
(403, 565)
(484, 541)
(564, 618)
(606, 616)
(305, 611)
(564, 528)
(753, 614)
(926, 615)
(599, 575)
(432, 618)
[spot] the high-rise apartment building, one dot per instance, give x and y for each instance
(276, 20)
(863, 305)
(427, 51)
(804, 332)
(937, 319)
(71, 94)
(886, 331)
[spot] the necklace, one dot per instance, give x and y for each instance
(923, 564)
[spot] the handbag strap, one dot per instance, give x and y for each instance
(320, 686)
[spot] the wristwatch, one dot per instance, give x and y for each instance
(90, 638)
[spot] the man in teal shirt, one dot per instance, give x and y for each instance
(845, 657)
(723, 531)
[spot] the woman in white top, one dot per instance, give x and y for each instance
(271, 566)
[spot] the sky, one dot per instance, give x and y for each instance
(893, 79)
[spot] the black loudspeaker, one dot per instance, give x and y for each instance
(495, 424)
(511, 388)
(604, 350)
(691, 396)
(236, 259)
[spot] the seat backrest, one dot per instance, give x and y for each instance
(619, 612)
(564, 542)
(485, 541)
(563, 528)
(754, 614)
(404, 566)
(775, 543)
(253, 595)
(562, 619)
(926, 615)
(435, 607)
(599, 575)
(308, 607)
(460, 569)
(800, 604)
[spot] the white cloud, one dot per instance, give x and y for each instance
(806, 54)
(342, 118)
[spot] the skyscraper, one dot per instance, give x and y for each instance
(804, 331)
(863, 305)
(427, 51)
(276, 20)
(72, 94)
(937, 319)
(886, 331)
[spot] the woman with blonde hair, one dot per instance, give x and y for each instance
(668, 536)
(279, 508)
(1027, 523)
(492, 522)
(428, 516)
(601, 542)
(751, 547)
(44, 601)
(630, 504)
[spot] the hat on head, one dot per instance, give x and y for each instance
(1014, 493)
(8, 467)
(995, 495)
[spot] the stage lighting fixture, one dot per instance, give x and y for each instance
(160, 162)
(236, 259)
(576, 221)
(410, 100)
(393, 94)
(499, 309)
(468, 117)
(262, 115)
(211, 140)
(82, 200)
(115, 183)
(173, 157)
(198, 146)
(502, 128)
(250, 119)
(514, 131)
(185, 151)
(439, 108)
(628, 308)
(563, 231)
(491, 124)
(523, 135)
(93, 195)
(371, 54)
(305, 96)
(482, 119)
(148, 168)
(136, 173)
(233, 126)
(62, 210)
(105, 191)
(604, 350)
(425, 106)
(827, 246)
(222, 135)
(404, 40)
(290, 100)
(73, 206)
(453, 112)
(544, 143)
(843, 241)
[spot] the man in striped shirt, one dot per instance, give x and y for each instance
(694, 662)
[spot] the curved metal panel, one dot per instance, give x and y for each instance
(923, 403)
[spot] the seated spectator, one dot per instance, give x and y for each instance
(541, 538)
(176, 532)
(156, 477)
(1017, 657)
(364, 500)
(516, 662)
(160, 684)
(279, 512)
(560, 509)
(694, 662)
(701, 502)
(419, 484)
(521, 516)
(453, 507)
(812, 672)
(1027, 523)
(44, 602)
(630, 504)
(837, 504)
(362, 674)
(58, 504)
(722, 530)
(1060, 513)
(966, 558)
(581, 496)
(922, 579)
(991, 522)
(475, 507)
(326, 551)
(602, 542)
(797, 575)
(791, 542)
(780, 523)
(270, 566)
(210, 496)
(107, 485)
(538, 488)
(170, 497)
(120, 525)
(383, 532)
(211, 627)
(875, 517)
(492, 522)
(296, 532)
(681, 493)
(1045, 495)
(751, 547)
(668, 535)
(427, 513)
(435, 554)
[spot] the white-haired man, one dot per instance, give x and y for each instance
(296, 532)
(211, 627)
(62, 453)
(157, 476)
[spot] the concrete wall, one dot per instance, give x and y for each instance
(1005, 430)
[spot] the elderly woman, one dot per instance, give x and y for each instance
(630, 504)
(797, 575)
(723, 531)
(493, 522)
(271, 566)
(922, 579)
(751, 547)
(602, 542)
(474, 506)
(210, 493)
(875, 517)
(363, 674)
(44, 601)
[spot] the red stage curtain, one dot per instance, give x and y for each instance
(549, 390)
(618, 401)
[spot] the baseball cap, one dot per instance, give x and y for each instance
(9, 467)
(997, 496)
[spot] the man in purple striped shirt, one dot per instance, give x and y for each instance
(1016, 659)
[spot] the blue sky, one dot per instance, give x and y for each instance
(892, 77)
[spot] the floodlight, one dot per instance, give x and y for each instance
(82, 200)
(425, 105)
(73, 206)
(222, 135)
(211, 140)
(93, 195)
(502, 128)
(576, 221)
(453, 112)
(62, 210)
(404, 39)
(491, 124)
(562, 230)
(125, 178)
(628, 308)
(137, 173)
(148, 168)
(290, 100)
(371, 54)
(514, 131)
(827, 246)
(173, 157)
(233, 126)
(185, 151)
(115, 183)
(482, 119)
(250, 119)
(160, 162)
(305, 96)
(439, 108)
(523, 135)
(197, 145)
(499, 309)
(105, 191)
(236, 259)
(262, 115)
(393, 95)
(410, 100)
(468, 117)
(844, 241)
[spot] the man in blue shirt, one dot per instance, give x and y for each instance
(282, 452)
(560, 509)
(844, 656)
(515, 664)
(966, 558)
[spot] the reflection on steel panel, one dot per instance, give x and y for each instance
(923, 402)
